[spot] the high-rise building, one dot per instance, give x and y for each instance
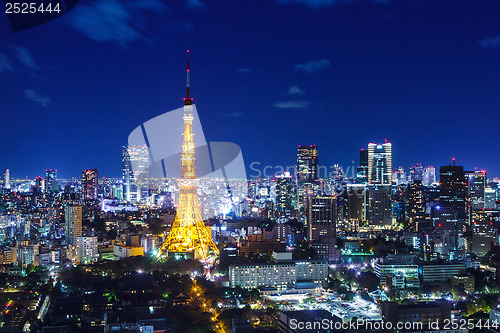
(415, 203)
(284, 195)
(73, 219)
(380, 163)
(362, 172)
(86, 250)
(188, 234)
(321, 217)
(51, 184)
(135, 173)
(307, 171)
(6, 179)
(89, 184)
(490, 198)
(484, 226)
(453, 189)
(416, 173)
(307, 163)
(429, 176)
(38, 185)
(379, 206)
(322, 225)
(356, 211)
(399, 176)
(476, 185)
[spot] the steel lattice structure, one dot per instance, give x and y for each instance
(188, 233)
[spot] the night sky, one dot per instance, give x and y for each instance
(266, 75)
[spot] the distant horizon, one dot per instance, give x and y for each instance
(338, 73)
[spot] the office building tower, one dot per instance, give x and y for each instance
(379, 206)
(51, 184)
(416, 172)
(38, 185)
(6, 179)
(453, 190)
(188, 235)
(380, 163)
(307, 172)
(484, 231)
(356, 204)
(415, 203)
(86, 250)
(429, 176)
(73, 219)
(307, 163)
(490, 198)
(362, 172)
(399, 176)
(135, 173)
(321, 217)
(476, 185)
(89, 184)
(285, 192)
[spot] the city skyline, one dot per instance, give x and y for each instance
(369, 71)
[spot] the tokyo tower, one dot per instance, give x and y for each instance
(188, 233)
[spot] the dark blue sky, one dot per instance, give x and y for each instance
(267, 76)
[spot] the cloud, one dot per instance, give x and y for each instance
(246, 70)
(313, 66)
(36, 97)
(292, 104)
(490, 42)
(5, 63)
(24, 57)
(113, 21)
(180, 26)
(294, 90)
(235, 114)
(316, 4)
(195, 4)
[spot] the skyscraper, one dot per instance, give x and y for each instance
(135, 173)
(379, 213)
(284, 195)
(89, 184)
(51, 183)
(73, 219)
(490, 198)
(322, 225)
(7, 179)
(356, 204)
(188, 234)
(415, 203)
(453, 190)
(86, 250)
(362, 172)
(416, 173)
(379, 206)
(380, 163)
(429, 176)
(399, 176)
(476, 185)
(307, 171)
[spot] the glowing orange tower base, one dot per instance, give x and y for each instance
(188, 233)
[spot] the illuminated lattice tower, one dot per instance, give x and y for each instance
(188, 233)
